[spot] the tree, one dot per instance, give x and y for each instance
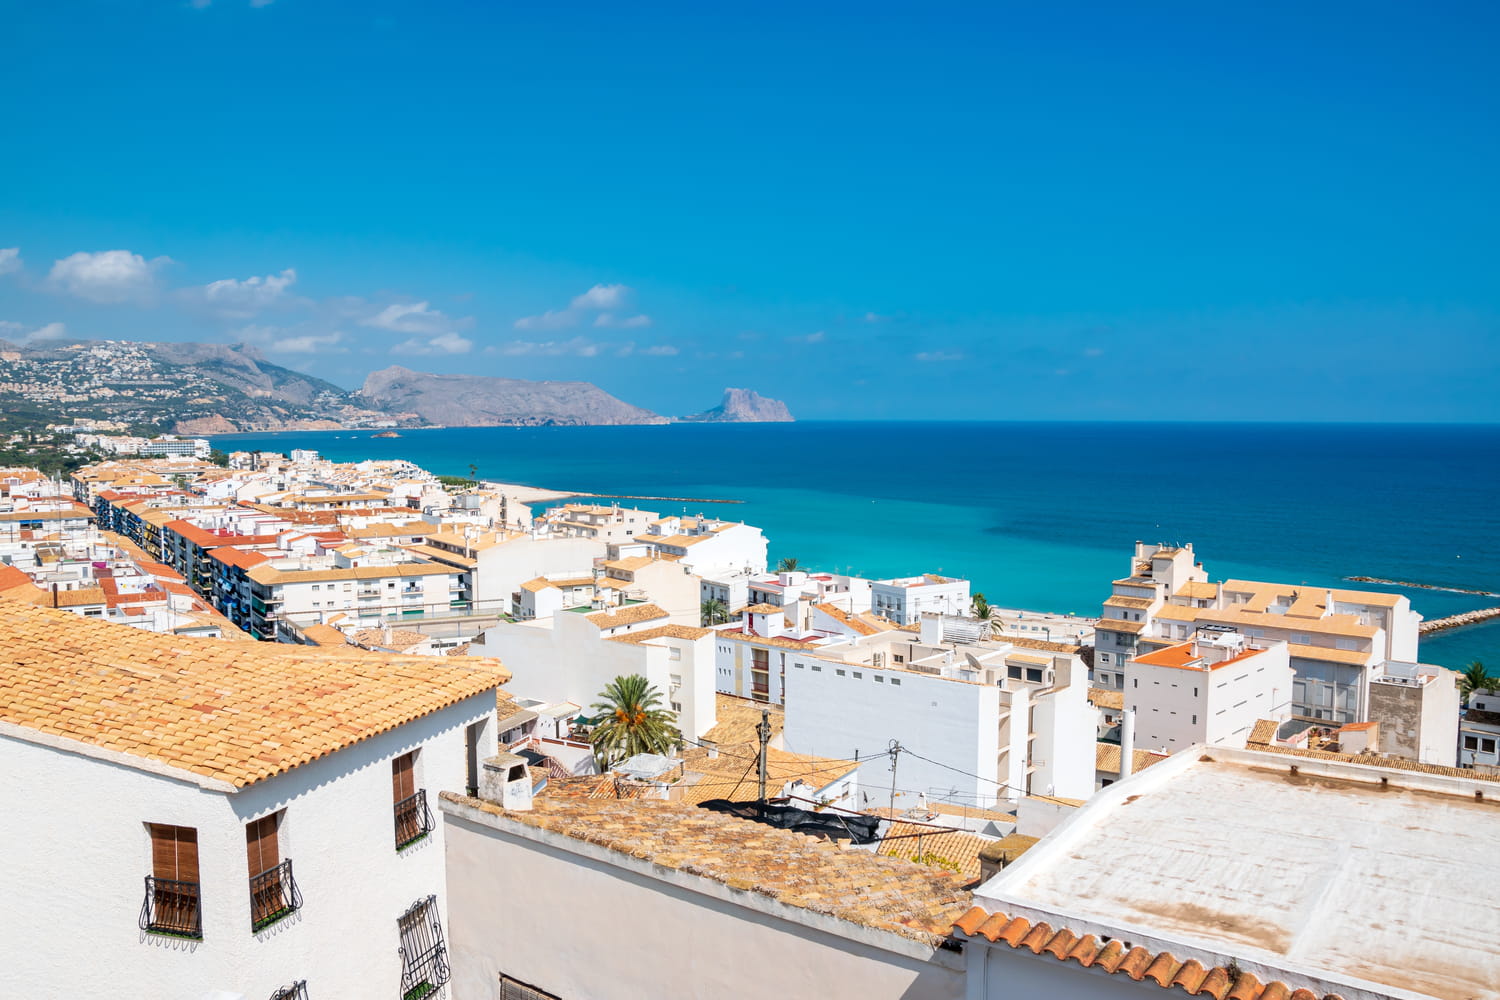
(473, 474)
(981, 607)
(1476, 677)
(632, 721)
(787, 565)
(714, 611)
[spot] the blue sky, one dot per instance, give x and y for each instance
(1009, 211)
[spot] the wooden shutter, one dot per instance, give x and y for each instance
(262, 851)
(404, 777)
(174, 852)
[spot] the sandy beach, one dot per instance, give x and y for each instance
(529, 494)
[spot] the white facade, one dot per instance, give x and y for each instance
(905, 600)
(81, 858)
(568, 658)
(1211, 689)
(1417, 707)
(1479, 733)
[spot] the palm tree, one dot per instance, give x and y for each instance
(981, 607)
(787, 565)
(1476, 677)
(633, 723)
(714, 611)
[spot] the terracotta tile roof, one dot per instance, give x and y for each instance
(738, 717)
(1105, 698)
(235, 712)
(399, 640)
(764, 609)
(941, 847)
(915, 901)
(859, 625)
(325, 635)
(1052, 647)
(270, 575)
(661, 632)
(783, 641)
(1134, 603)
(1373, 759)
(1116, 625)
(726, 776)
(630, 563)
(630, 615)
(1197, 590)
(1263, 732)
(536, 586)
(1163, 968)
(1107, 758)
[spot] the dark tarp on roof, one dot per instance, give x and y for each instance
(825, 825)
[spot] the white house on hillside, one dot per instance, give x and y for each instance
(206, 818)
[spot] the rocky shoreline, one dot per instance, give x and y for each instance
(1459, 620)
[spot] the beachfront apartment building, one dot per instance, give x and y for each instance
(1479, 732)
(710, 548)
(492, 565)
(570, 656)
(980, 722)
(599, 522)
(1338, 640)
(206, 818)
(904, 600)
(351, 583)
(1210, 689)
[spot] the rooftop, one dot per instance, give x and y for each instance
(860, 887)
(231, 712)
(631, 615)
(1335, 874)
(738, 717)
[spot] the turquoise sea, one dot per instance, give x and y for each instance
(1039, 515)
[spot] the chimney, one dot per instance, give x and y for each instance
(504, 780)
(1327, 602)
(1127, 743)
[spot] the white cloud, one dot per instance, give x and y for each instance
(414, 317)
(939, 356)
(816, 337)
(552, 319)
(443, 343)
(17, 332)
(871, 317)
(602, 297)
(10, 259)
(580, 347)
(627, 322)
(597, 300)
(110, 276)
(243, 299)
(308, 344)
(661, 350)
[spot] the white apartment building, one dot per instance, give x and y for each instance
(904, 600)
(711, 548)
(981, 722)
(1338, 640)
(751, 654)
(492, 565)
(1417, 708)
(599, 522)
(572, 655)
(227, 820)
(1479, 732)
(355, 583)
(1211, 689)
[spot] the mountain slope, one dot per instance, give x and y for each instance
(485, 401)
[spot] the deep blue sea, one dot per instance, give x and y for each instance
(1039, 515)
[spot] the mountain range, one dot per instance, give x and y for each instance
(193, 388)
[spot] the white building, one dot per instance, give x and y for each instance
(1479, 733)
(227, 819)
(352, 583)
(493, 564)
(1250, 874)
(980, 723)
(1417, 707)
(572, 655)
(598, 522)
(710, 548)
(1211, 689)
(906, 599)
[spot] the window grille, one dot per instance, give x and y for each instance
(296, 991)
(514, 989)
(424, 958)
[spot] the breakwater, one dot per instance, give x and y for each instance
(1420, 586)
(1459, 620)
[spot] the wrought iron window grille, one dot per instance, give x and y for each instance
(172, 908)
(296, 991)
(273, 896)
(413, 819)
(424, 957)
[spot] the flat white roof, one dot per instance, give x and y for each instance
(1313, 869)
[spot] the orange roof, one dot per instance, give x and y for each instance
(629, 615)
(1181, 656)
(231, 712)
(1163, 968)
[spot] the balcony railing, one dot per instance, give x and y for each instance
(273, 895)
(296, 991)
(173, 908)
(413, 819)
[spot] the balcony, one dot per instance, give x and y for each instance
(413, 819)
(273, 896)
(172, 908)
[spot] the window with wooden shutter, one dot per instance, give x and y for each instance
(273, 892)
(404, 777)
(172, 896)
(413, 818)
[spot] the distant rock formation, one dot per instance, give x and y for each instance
(744, 406)
(485, 401)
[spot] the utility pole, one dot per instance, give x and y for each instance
(894, 749)
(764, 732)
